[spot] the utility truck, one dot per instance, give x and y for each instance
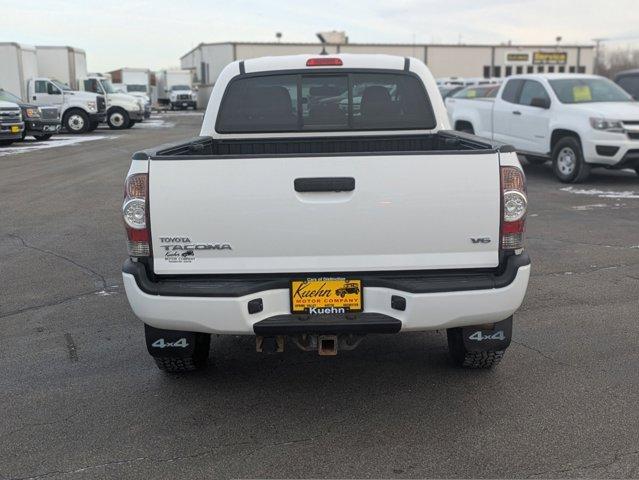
(174, 89)
(123, 110)
(577, 121)
(292, 219)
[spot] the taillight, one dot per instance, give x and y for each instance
(324, 62)
(135, 213)
(514, 207)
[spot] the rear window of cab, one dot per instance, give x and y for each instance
(326, 101)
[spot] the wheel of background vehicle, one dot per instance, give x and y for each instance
(118, 119)
(568, 161)
(463, 358)
(465, 127)
(637, 170)
(171, 107)
(4, 143)
(536, 160)
(93, 126)
(76, 121)
(24, 134)
(41, 138)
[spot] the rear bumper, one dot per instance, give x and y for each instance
(431, 301)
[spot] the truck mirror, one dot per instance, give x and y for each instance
(540, 102)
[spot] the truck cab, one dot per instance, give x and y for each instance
(11, 124)
(182, 97)
(80, 111)
(123, 110)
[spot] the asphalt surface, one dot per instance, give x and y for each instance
(81, 398)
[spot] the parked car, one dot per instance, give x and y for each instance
(629, 81)
(39, 122)
(578, 121)
(11, 124)
(282, 206)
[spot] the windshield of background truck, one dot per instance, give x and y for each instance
(322, 102)
(9, 97)
(108, 86)
(588, 90)
(136, 88)
(180, 87)
(61, 86)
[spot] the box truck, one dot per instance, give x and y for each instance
(123, 110)
(174, 89)
(136, 82)
(34, 73)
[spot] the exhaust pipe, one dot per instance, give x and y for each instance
(327, 345)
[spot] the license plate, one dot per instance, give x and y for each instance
(326, 295)
(15, 129)
(184, 104)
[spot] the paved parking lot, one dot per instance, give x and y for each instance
(81, 398)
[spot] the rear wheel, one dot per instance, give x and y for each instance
(76, 121)
(118, 119)
(176, 351)
(568, 161)
(465, 127)
(480, 346)
(41, 138)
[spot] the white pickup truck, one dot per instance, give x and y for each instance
(292, 217)
(578, 121)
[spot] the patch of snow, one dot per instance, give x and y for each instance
(154, 123)
(601, 193)
(53, 142)
(592, 206)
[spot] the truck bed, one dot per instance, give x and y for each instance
(443, 142)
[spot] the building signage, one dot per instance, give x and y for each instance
(517, 58)
(550, 58)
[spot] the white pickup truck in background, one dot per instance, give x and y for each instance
(578, 121)
(297, 216)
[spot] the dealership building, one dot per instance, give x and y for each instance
(207, 60)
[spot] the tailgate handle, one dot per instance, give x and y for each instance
(325, 184)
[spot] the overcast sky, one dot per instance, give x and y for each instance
(155, 33)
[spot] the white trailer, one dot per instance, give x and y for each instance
(18, 65)
(135, 80)
(65, 64)
(169, 80)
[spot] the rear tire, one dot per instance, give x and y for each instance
(478, 357)
(637, 170)
(177, 351)
(76, 121)
(118, 119)
(568, 161)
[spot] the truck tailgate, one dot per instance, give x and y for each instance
(244, 215)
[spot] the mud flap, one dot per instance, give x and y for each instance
(172, 343)
(477, 339)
